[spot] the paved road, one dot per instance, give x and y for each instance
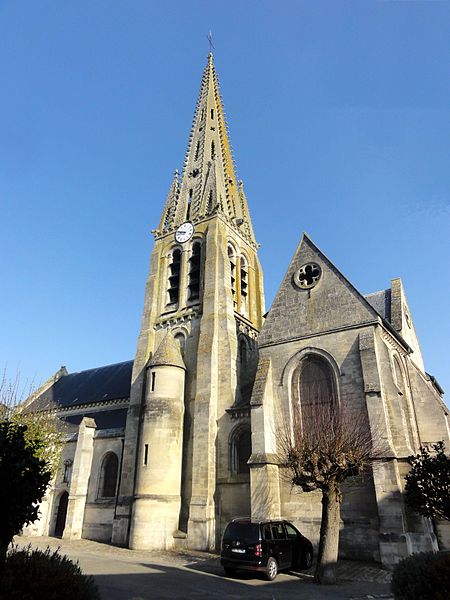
(123, 574)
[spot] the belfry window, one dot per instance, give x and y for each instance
(240, 450)
(108, 476)
(194, 272)
(174, 277)
(244, 285)
(314, 388)
(232, 259)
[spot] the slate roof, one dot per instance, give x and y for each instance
(112, 382)
(105, 419)
(381, 302)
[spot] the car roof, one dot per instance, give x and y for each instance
(258, 521)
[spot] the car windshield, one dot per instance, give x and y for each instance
(247, 532)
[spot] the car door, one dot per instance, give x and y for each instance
(283, 545)
(293, 537)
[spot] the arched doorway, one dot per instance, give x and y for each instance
(62, 514)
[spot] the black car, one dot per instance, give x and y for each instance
(265, 546)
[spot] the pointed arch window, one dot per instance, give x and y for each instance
(232, 259)
(108, 476)
(189, 202)
(314, 387)
(181, 340)
(244, 285)
(399, 376)
(240, 450)
(194, 271)
(403, 403)
(213, 150)
(174, 277)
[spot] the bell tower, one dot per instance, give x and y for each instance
(204, 300)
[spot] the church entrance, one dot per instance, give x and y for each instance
(62, 514)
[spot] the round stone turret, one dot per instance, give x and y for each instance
(157, 500)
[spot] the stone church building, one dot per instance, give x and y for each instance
(163, 450)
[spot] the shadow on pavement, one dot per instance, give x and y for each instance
(204, 579)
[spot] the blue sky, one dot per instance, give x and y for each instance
(340, 122)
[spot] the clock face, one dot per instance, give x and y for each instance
(184, 232)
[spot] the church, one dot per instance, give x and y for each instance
(162, 451)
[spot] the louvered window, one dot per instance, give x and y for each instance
(174, 277)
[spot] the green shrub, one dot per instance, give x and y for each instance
(35, 575)
(424, 576)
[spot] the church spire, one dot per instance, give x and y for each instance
(208, 184)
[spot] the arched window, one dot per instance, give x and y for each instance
(174, 277)
(232, 259)
(244, 286)
(240, 450)
(108, 476)
(67, 474)
(194, 271)
(181, 340)
(315, 389)
(213, 150)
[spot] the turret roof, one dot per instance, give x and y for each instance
(168, 353)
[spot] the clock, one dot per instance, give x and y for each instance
(184, 232)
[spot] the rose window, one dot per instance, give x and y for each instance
(307, 276)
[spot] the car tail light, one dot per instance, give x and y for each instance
(258, 550)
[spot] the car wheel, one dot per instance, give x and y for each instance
(307, 560)
(229, 571)
(271, 569)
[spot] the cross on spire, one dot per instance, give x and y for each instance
(210, 40)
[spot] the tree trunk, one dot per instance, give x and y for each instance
(329, 535)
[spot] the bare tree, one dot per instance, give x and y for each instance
(43, 431)
(320, 449)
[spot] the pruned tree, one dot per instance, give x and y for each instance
(427, 488)
(320, 448)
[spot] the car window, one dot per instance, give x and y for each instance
(278, 531)
(267, 532)
(246, 532)
(291, 533)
